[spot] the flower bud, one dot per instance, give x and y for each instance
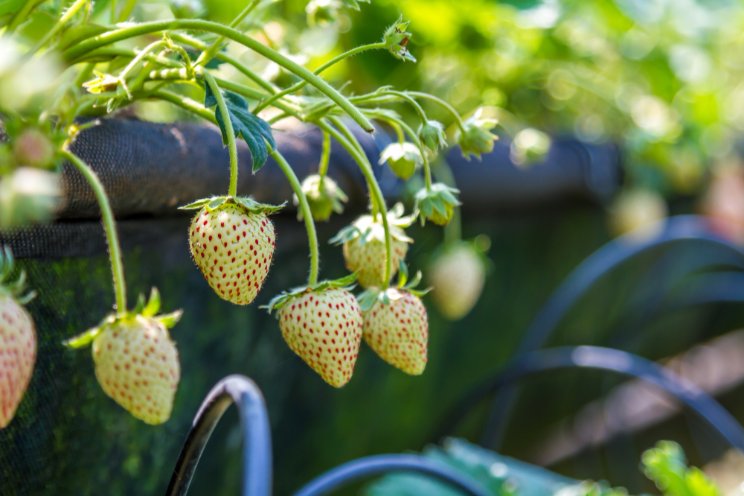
(431, 134)
(324, 197)
(477, 138)
(396, 40)
(437, 204)
(403, 159)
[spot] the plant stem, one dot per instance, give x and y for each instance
(325, 156)
(419, 110)
(330, 63)
(307, 216)
(80, 49)
(66, 17)
(443, 103)
(375, 192)
(23, 14)
(232, 147)
(126, 11)
(200, 45)
(109, 227)
(209, 53)
(453, 230)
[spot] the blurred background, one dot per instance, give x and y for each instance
(657, 82)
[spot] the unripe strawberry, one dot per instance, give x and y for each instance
(437, 203)
(402, 158)
(324, 328)
(457, 275)
(232, 242)
(136, 364)
(324, 197)
(17, 340)
(364, 246)
(17, 355)
(396, 327)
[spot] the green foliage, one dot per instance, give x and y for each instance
(666, 465)
(255, 131)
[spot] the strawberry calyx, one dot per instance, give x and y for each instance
(370, 228)
(249, 205)
(16, 288)
(369, 297)
(147, 309)
(280, 300)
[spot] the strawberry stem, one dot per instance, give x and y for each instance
(232, 146)
(109, 227)
(444, 104)
(298, 86)
(378, 200)
(453, 230)
(307, 216)
(80, 49)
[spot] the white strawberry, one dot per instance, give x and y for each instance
(457, 275)
(17, 341)
(232, 242)
(323, 325)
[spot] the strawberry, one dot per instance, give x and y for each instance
(232, 242)
(398, 330)
(17, 342)
(364, 246)
(396, 326)
(323, 325)
(457, 275)
(136, 362)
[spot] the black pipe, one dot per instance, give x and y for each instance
(257, 471)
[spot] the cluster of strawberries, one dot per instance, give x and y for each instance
(232, 244)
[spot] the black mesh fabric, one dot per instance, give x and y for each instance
(69, 438)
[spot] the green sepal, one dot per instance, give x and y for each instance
(153, 304)
(395, 219)
(248, 204)
(410, 286)
(83, 340)
(280, 300)
(15, 288)
(169, 320)
(436, 204)
(255, 131)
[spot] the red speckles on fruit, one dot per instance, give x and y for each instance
(236, 251)
(136, 364)
(17, 356)
(399, 331)
(301, 324)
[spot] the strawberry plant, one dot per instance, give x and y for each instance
(95, 59)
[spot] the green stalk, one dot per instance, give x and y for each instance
(419, 110)
(453, 230)
(126, 32)
(23, 14)
(200, 45)
(307, 216)
(325, 157)
(232, 147)
(126, 11)
(360, 157)
(330, 63)
(210, 52)
(61, 22)
(444, 104)
(109, 227)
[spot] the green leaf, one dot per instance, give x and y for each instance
(255, 131)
